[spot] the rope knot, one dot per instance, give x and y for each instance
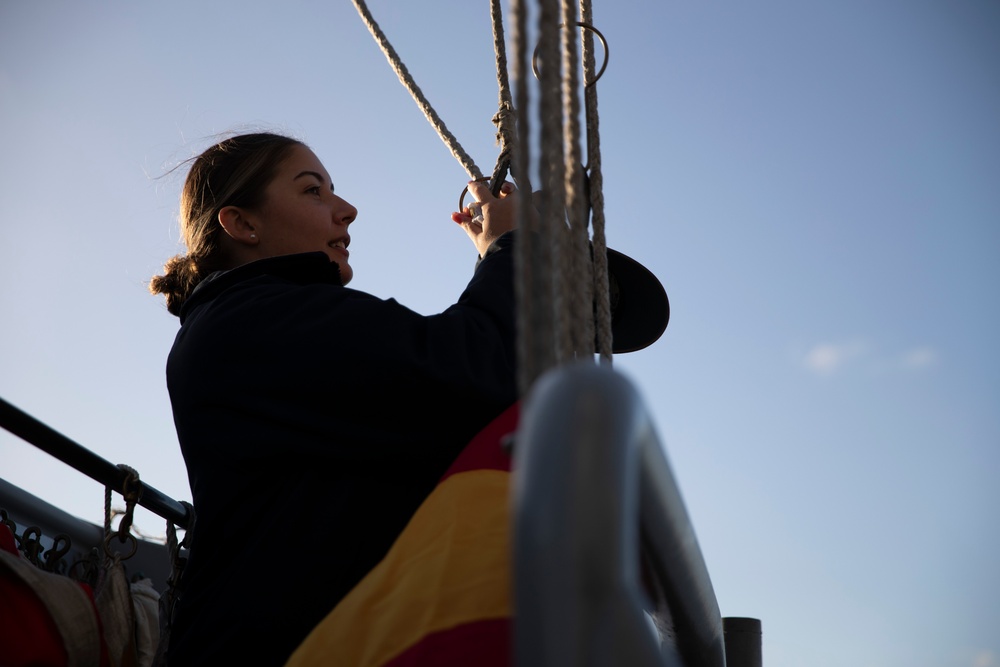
(505, 121)
(131, 490)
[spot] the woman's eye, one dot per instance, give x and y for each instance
(314, 190)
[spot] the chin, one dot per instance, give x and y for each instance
(346, 272)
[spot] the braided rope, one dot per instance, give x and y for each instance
(552, 208)
(560, 155)
(131, 491)
(505, 118)
(530, 342)
(404, 76)
(107, 512)
(601, 284)
(503, 81)
(580, 265)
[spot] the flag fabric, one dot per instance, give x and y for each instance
(441, 595)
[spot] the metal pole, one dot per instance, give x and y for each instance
(743, 641)
(90, 464)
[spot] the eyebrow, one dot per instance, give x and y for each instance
(316, 175)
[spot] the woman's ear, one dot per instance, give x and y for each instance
(237, 224)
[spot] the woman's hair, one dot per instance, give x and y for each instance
(233, 172)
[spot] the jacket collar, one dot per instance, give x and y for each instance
(302, 268)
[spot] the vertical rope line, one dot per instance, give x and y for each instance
(553, 205)
(601, 288)
(580, 287)
(527, 256)
(504, 120)
(499, 49)
(404, 76)
(107, 512)
(567, 329)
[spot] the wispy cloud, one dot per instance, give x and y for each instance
(919, 357)
(985, 658)
(828, 358)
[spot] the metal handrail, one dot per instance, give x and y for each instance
(591, 477)
(68, 451)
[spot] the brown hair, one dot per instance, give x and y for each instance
(233, 172)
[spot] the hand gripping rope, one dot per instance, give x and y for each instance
(557, 309)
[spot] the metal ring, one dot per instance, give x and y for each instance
(604, 43)
(465, 190)
(128, 536)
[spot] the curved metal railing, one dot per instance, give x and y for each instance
(593, 497)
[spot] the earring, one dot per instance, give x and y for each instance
(253, 236)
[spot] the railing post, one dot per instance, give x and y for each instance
(743, 641)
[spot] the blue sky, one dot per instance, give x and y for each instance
(817, 185)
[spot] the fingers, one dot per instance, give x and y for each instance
(481, 192)
(470, 216)
(487, 217)
(481, 197)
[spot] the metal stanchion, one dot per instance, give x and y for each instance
(743, 641)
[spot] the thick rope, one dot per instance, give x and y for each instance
(504, 120)
(404, 76)
(552, 208)
(107, 512)
(526, 256)
(579, 269)
(536, 279)
(601, 285)
(131, 491)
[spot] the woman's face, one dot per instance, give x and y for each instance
(300, 213)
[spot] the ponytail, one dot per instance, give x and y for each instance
(181, 274)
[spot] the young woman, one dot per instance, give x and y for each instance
(313, 418)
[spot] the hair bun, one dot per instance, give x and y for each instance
(180, 275)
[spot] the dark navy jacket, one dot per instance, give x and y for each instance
(313, 420)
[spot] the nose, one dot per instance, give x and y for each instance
(344, 213)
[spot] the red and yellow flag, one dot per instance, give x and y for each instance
(441, 596)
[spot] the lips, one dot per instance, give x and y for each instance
(340, 245)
